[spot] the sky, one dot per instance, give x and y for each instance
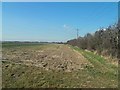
(0, 21)
(60, 0)
(54, 21)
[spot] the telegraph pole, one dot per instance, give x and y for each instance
(77, 33)
(77, 37)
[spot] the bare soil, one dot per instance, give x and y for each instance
(55, 66)
(50, 57)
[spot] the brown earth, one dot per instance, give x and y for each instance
(55, 65)
(52, 57)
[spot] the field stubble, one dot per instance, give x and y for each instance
(53, 65)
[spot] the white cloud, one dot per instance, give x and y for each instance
(67, 27)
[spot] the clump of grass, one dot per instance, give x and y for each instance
(101, 67)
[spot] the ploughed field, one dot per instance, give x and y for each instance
(55, 65)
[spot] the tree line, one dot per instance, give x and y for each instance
(104, 41)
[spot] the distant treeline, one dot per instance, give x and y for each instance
(30, 42)
(104, 41)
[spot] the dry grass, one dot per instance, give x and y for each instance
(55, 65)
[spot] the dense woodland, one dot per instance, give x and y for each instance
(104, 41)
